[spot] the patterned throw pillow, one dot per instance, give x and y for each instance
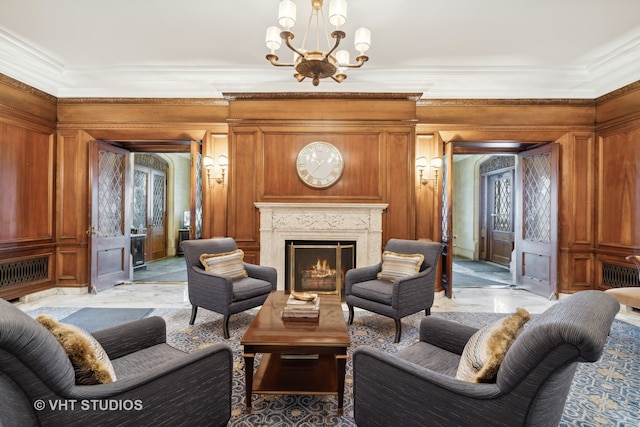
(90, 362)
(225, 264)
(485, 350)
(397, 266)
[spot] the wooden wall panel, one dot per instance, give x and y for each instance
(27, 176)
(399, 218)
(618, 189)
(360, 179)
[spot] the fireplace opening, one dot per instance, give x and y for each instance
(318, 266)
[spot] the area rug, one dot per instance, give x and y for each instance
(96, 318)
(605, 393)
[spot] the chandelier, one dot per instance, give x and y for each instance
(315, 63)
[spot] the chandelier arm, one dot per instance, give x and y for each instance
(361, 60)
(290, 46)
(274, 61)
(338, 35)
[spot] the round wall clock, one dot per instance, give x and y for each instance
(319, 164)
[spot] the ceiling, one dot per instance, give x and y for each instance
(204, 48)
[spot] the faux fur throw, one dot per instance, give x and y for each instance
(90, 362)
(487, 348)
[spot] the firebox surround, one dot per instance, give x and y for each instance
(358, 222)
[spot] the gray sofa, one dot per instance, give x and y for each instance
(157, 384)
(417, 386)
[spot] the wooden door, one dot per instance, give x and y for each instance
(447, 220)
(157, 215)
(536, 229)
(500, 217)
(149, 210)
(110, 216)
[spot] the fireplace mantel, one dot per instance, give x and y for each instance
(359, 222)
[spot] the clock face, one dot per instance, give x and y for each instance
(319, 164)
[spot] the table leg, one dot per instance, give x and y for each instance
(248, 378)
(341, 361)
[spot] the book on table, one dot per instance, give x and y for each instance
(295, 309)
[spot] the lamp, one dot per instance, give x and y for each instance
(421, 165)
(315, 63)
(209, 164)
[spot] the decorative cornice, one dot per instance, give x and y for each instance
(489, 102)
(619, 92)
(8, 81)
(235, 96)
(146, 101)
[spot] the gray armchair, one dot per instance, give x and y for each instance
(418, 387)
(219, 293)
(167, 386)
(402, 297)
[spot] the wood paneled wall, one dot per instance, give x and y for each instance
(27, 197)
(44, 165)
(376, 137)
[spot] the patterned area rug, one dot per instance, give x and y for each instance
(605, 393)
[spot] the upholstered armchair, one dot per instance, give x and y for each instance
(400, 295)
(217, 290)
(156, 384)
(418, 386)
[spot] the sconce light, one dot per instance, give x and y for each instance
(422, 165)
(209, 164)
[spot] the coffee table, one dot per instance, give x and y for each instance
(297, 357)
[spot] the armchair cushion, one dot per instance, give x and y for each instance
(485, 350)
(228, 264)
(250, 287)
(90, 362)
(397, 266)
(374, 290)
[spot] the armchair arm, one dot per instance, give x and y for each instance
(194, 390)
(449, 336)
(391, 391)
(413, 291)
(263, 272)
(206, 287)
(362, 274)
(124, 339)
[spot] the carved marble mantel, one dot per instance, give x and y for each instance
(357, 222)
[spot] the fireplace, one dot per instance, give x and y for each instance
(338, 222)
(318, 266)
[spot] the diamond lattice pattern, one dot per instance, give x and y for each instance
(110, 194)
(502, 205)
(158, 200)
(537, 198)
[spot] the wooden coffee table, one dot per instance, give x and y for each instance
(297, 357)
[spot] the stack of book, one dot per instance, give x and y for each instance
(302, 310)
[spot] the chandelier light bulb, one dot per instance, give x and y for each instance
(362, 39)
(338, 12)
(287, 13)
(273, 40)
(343, 57)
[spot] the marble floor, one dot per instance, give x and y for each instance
(496, 300)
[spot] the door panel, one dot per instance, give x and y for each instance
(537, 222)
(447, 220)
(500, 220)
(110, 236)
(156, 234)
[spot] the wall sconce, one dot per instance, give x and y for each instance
(422, 165)
(210, 164)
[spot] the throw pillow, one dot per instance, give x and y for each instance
(485, 350)
(90, 362)
(397, 266)
(225, 264)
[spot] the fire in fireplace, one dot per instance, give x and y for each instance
(318, 266)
